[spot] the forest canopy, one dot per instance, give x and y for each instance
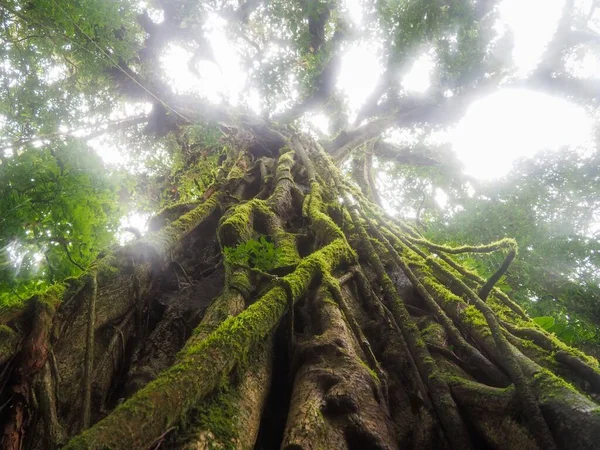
(473, 124)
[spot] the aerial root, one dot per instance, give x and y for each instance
(439, 392)
(89, 352)
(580, 367)
(470, 354)
(502, 244)
(45, 389)
(537, 425)
(335, 399)
(232, 415)
(336, 292)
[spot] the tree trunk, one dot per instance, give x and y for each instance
(340, 328)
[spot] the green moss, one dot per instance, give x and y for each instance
(379, 247)
(172, 234)
(527, 343)
(557, 344)
(371, 371)
(472, 316)
(6, 332)
(219, 416)
(479, 387)
(166, 214)
(237, 227)
(52, 296)
(286, 156)
(503, 312)
(204, 365)
(433, 333)
(238, 279)
(550, 386)
(323, 226)
(506, 243)
(560, 345)
(235, 173)
(287, 250)
(448, 270)
(438, 290)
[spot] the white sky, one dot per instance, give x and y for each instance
(359, 73)
(513, 123)
(532, 22)
(135, 220)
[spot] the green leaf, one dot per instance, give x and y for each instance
(545, 322)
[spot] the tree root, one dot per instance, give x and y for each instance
(447, 412)
(335, 401)
(89, 353)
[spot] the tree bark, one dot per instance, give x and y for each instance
(358, 331)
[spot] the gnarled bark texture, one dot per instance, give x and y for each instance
(359, 335)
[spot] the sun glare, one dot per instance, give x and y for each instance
(135, 220)
(496, 129)
(359, 74)
(516, 123)
(319, 122)
(441, 198)
(354, 10)
(418, 79)
(214, 74)
(532, 23)
(583, 64)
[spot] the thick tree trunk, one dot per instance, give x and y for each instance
(359, 335)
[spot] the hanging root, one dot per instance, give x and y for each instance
(203, 365)
(336, 292)
(54, 434)
(505, 243)
(472, 356)
(537, 425)
(488, 286)
(89, 352)
(335, 400)
(230, 418)
(447, 411)
(405, 348)
(30, 359)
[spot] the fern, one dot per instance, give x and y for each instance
(260, 254)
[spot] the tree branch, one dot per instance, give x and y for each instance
(106, 127)
(415, 156)
(368, 173)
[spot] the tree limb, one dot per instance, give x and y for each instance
(106, 127)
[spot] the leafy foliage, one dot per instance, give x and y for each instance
(58, 209)
(260, 254)
(550, 205)
(564, 331)
(51, 48)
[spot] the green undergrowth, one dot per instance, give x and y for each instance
(261, 254)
